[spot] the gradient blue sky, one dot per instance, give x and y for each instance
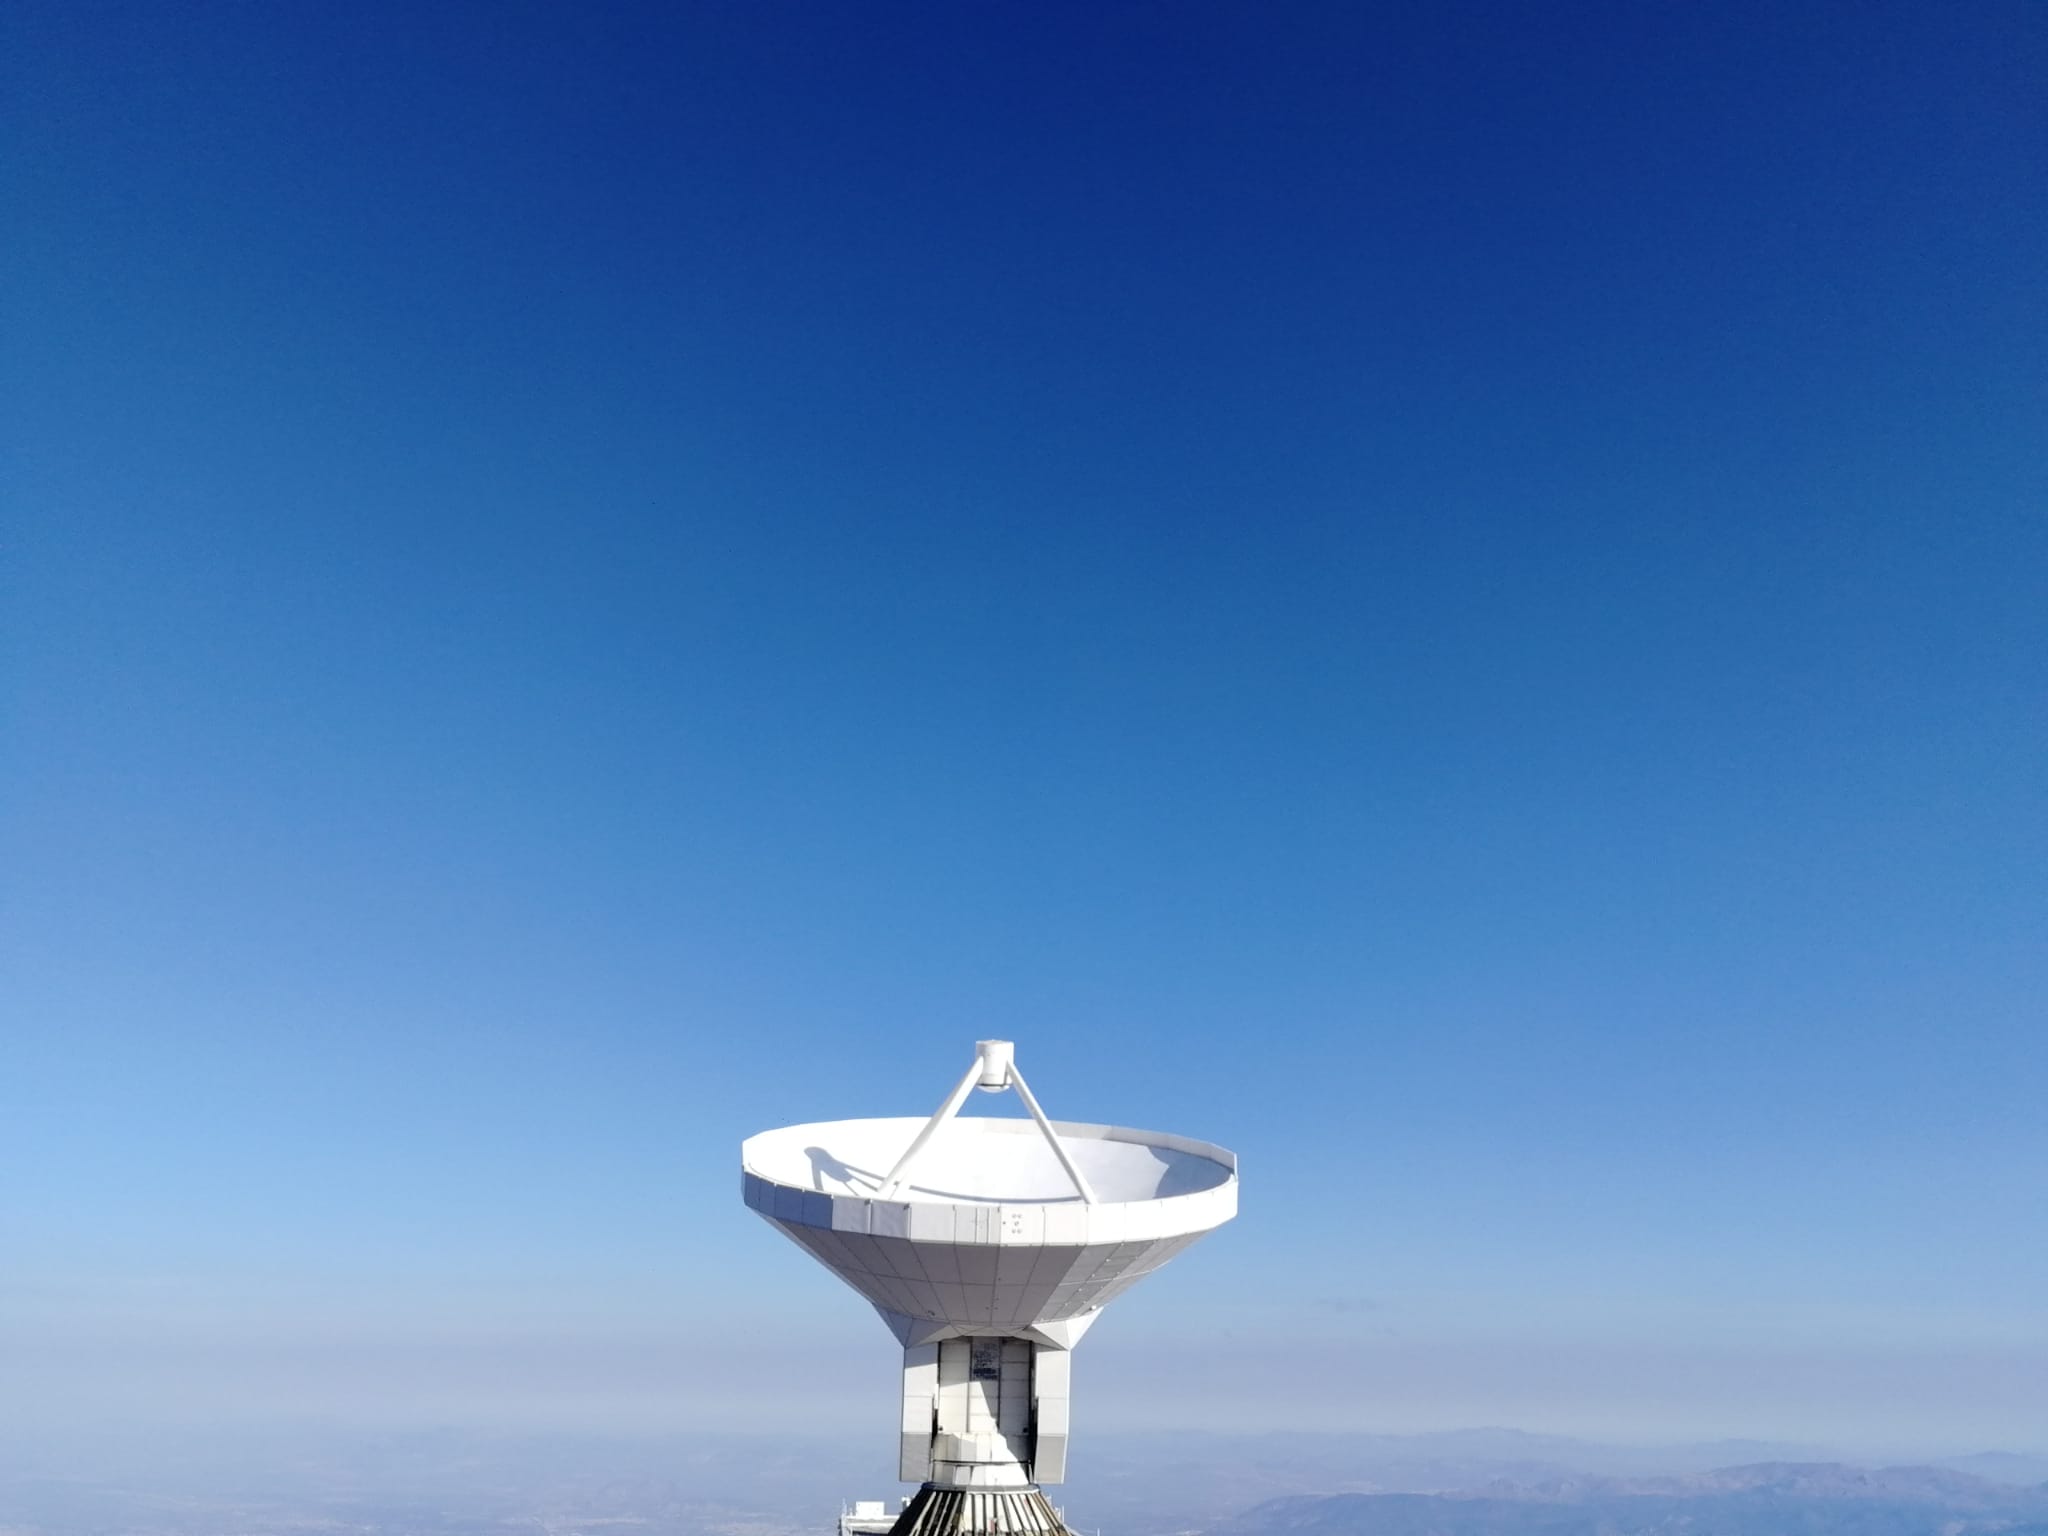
(1455, 598)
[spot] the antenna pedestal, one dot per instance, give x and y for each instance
(985, 1412)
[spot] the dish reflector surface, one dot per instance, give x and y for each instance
(985, 1162)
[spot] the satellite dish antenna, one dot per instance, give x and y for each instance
(988, 1247)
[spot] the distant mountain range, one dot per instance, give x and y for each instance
(2000, 1466)
(1163, 1483)
(1764, 1499)
(296, 1480)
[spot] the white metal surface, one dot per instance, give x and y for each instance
(994, 1069)
(984, 1162)
(1052, 1137)
(997, 1059)
(990, 1236)
(941, 1118)
(1001, 1238)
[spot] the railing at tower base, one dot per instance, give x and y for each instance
(978, 1512)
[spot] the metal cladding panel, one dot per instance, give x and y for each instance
(996, 1240)
(998, 1290)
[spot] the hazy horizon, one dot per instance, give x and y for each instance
(611, 1383)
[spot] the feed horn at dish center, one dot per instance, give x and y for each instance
(988, 1246)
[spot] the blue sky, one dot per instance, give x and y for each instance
(1450, 597)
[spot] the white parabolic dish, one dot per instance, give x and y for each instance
(988, 1247)
(989, 1233)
